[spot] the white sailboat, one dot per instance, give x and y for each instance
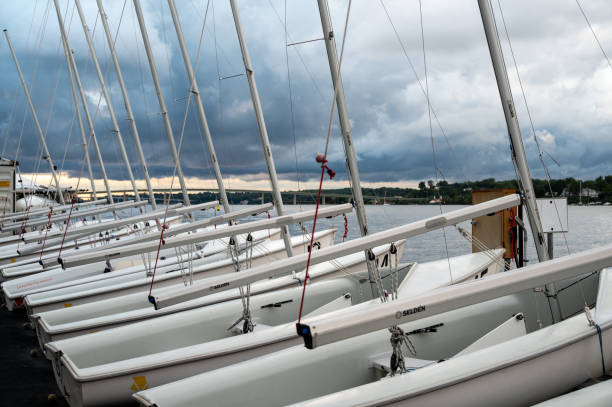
(125, 309)
(440, 325)
(503, 356)
(106, 314)
(164, 360)
(117, 286)
(56, 278)
(42, 280)
(181, 339)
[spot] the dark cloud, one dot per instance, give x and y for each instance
(563, 72)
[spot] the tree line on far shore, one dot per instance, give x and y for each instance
(598, 190)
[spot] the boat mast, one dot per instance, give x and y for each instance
(200, 107)
(38, 128)
(345, 128)
(519, 157)
(160, 97)
(261, 124)
(128, 105)
(75, 100)
(107, 99)
(77, 78)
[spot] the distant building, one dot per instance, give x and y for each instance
(586, 193)
(591, 193)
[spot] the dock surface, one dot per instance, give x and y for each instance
(25, 380)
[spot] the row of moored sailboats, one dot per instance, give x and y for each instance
(166, 310)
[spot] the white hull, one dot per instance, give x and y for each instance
(113, 372)
(29, 254)
(596, 395)
(101, 315)
(128, 284)
(107, 367)
(34, 202)
(18, 253)
(542, 364)
(16, 289)
(298, 374)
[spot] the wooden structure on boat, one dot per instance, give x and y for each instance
(500, 229)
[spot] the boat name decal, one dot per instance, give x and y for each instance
(410, 311)
(25, 285)
(216, 287)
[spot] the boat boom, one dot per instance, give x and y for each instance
(324, 330)
(200, 237)
(165, 298)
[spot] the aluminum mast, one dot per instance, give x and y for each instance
(128, 105)
(107, 98)
(75, 100)
(83, 99)
(38, 128)
(162, 103)
(516, 141)
(345, 127)
(198, 100)
(261, 125)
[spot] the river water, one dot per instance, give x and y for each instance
(589, 226)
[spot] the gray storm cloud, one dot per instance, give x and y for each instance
(564, 74)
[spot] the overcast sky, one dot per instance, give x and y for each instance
(566, 78)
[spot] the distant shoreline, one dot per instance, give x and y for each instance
(594, 192)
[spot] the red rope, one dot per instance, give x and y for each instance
(161, 242)
(25, 220)
(42, 250)
(314, 225)
(345, 228)
(59, 254)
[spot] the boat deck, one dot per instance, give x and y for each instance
(24, 380)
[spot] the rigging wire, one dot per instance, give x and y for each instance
(431, 136)
(145, 105)
(533, 131)
(197, 60)
(41, 32)
(299, 54)
(51, 104)
(289, 41)
(190, 94)
(420, 83)
(594, 34)
(540, 155)
(108, 62)
(10, 121)
(164, 225)
(297, 170)
(41, 36)
(15, 93)
(43, 25)
(322, 159)
(219, 88)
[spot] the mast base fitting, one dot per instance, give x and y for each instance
(303, 330)
(152, 301)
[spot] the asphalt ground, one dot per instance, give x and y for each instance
(26, 376)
